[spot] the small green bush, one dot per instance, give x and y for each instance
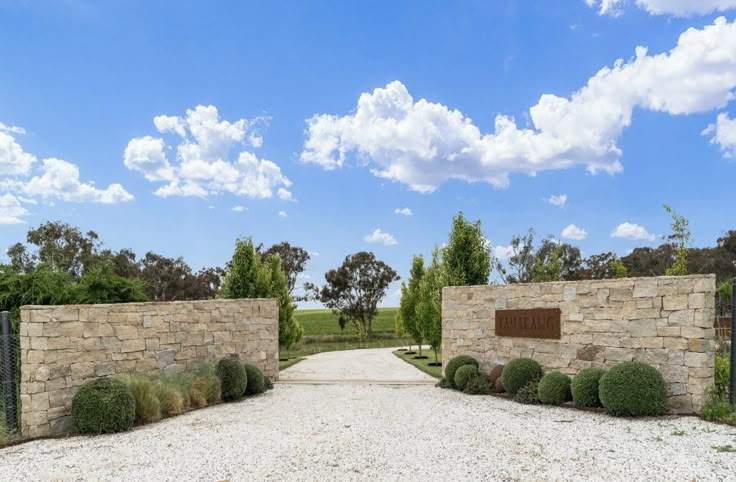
(633, 389)
(104, 405)
(170, 399)
(519, 372)
(233, 378)
(147, 405)
(722, 373)
(456, 363)
(256, 383)
(528, 394)
(481, 384)
(716, 407)
(584, 387)
(554, 388)
(267, 383)
(463, 376)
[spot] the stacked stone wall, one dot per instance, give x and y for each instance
(62, 347)
(664, 321)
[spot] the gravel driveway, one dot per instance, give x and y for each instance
(384, 432)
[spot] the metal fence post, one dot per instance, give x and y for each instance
(732, 384)
(8, 364)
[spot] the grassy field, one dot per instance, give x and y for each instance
(423, 365)
(322, 322)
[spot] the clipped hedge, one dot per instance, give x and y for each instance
(104, 405)
(554, 389)
(519, 372)
(267, 383)
(256, 383)
(480, 384)
(463, 376)
(584, 387)
(633, 389)
(233, 378)
(528, 394)
(456, 363)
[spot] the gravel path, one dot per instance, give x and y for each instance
(347, 432)
(373, 365)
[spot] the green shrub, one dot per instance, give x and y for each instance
(256, 383)
(554, 388)
(519, 372)
(456, 363)
(481, 384)
(528, 394)
(209, 387)
(584, 387)
(233, 378)
(170, 399)
(716, 407)
(267, 383)
(633, 389)
(104, 405)
(147, 405)
(463, 376)
(722, 373)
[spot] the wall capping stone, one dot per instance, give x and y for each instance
(665, 321)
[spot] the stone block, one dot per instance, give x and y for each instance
(643, 328)
(698, 360)
(39, 402)
(132, 345)
(58, 343)
(104, 369)
(681, 318)
(645, 288)
(618, 354)
(693, 332)
(126, 332)
(674, 343)
(674, 373)
(700, 345)
(81, 371)
(672, 331)
(675, 302)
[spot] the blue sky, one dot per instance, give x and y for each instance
(490, 108)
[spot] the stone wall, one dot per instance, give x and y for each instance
(64, 346)
(664, 321)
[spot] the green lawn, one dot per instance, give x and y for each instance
(322, 322)
(423, 365)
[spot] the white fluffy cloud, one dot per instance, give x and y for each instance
(203, 151)
(678, 8)
(632, 231)
(403, 211)
(238, 209)
(378, 236)
(11, 209)
(504, 252)
(60, 180)
(424, 144)
(559, 200)
(14, 161)
(54, 179)
(283, 214)
(573, 232)
(724, 134)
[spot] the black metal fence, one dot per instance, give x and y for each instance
(9, 376)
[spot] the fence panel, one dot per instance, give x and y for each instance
(9, 376)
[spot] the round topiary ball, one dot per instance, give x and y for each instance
(584, 387)
(554, 389)
(496, 373)
(256, 383)
(456, 363)
(104, 405)
(233, 378)
(633, 389)
(499, 385)
(463, 375)
(519, 372)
